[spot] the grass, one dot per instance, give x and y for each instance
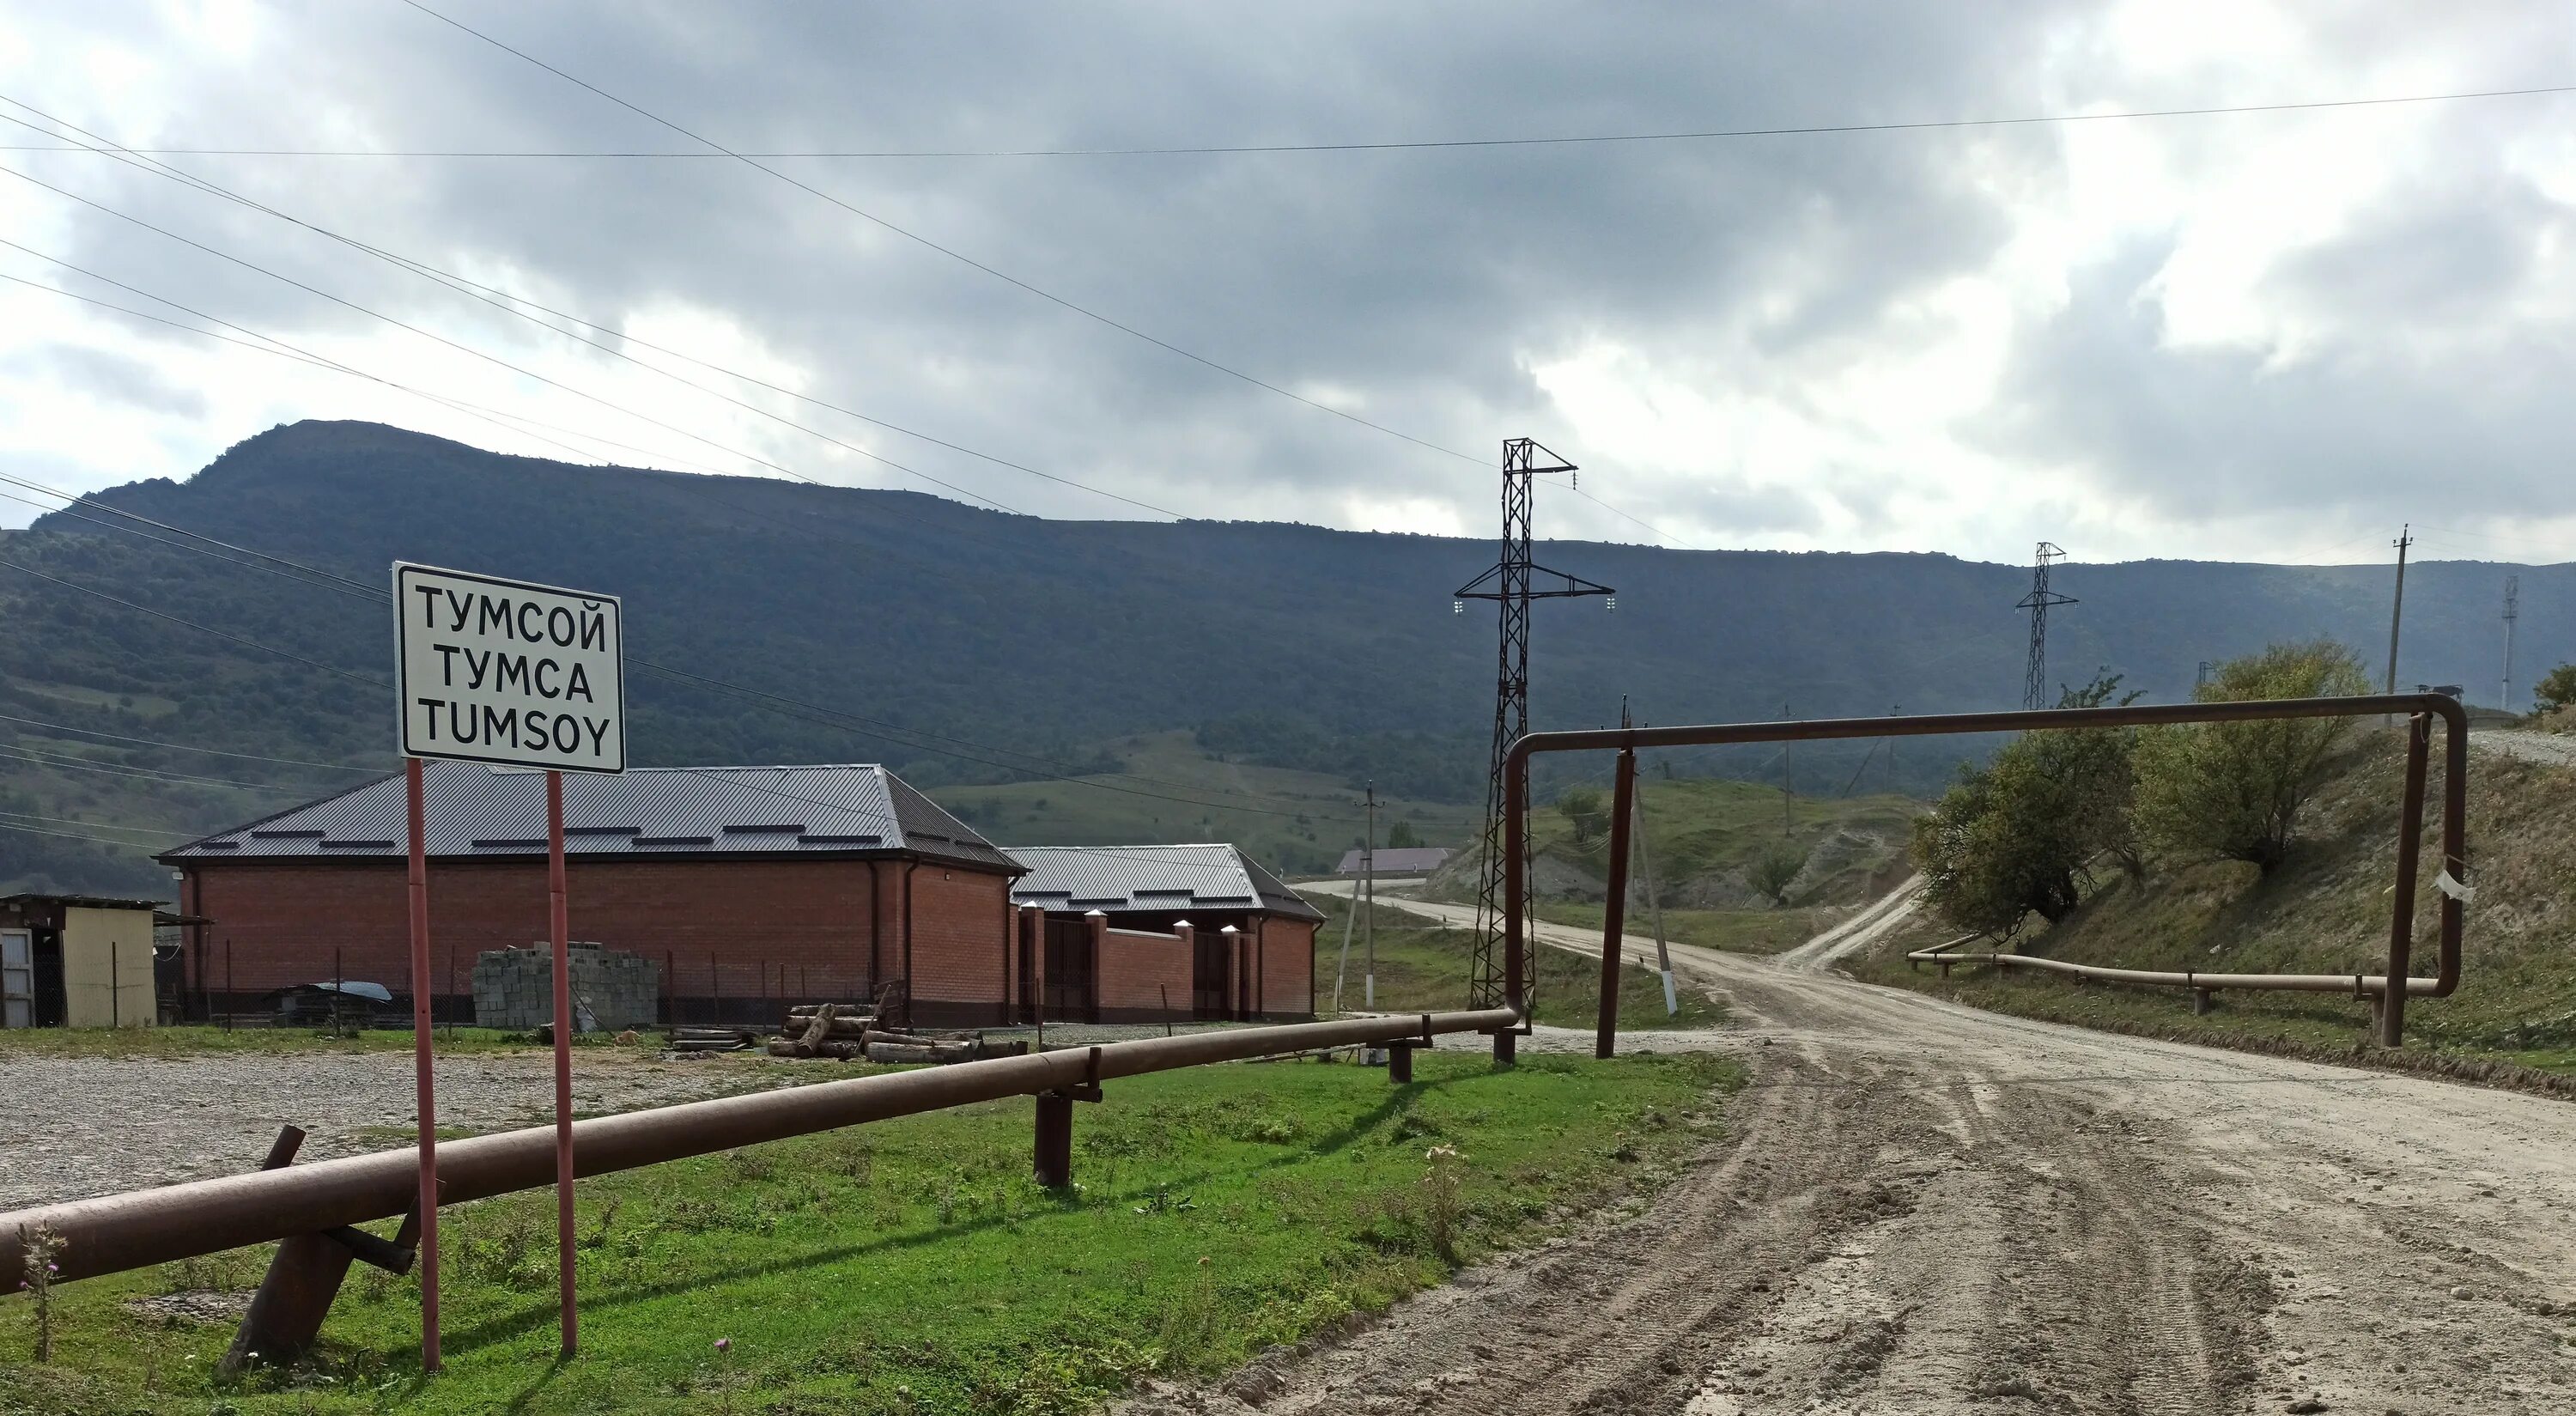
(1423, 967)
(2326, 911)
(198, 1040)
(912, 1267)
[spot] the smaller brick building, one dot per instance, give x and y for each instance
(752, 887)
(1149, 933)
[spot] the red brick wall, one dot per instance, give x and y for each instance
(813, 916)
(959, 927)
(1135, 968)
(1287, 968)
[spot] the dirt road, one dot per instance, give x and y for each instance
(1924, 1208)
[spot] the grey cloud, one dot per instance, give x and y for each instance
(110, 377)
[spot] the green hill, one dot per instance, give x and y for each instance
(977, 648)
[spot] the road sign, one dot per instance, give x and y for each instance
(508, 672)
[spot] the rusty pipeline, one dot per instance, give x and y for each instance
(114, 1233)
(2420, 709)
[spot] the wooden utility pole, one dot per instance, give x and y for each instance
(2397, 611)
(1368, 907)
(1784, 778)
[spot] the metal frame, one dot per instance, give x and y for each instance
(2420, 708)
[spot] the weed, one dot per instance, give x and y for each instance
(750, 1165)
(41, 1246)
(1443, 1200)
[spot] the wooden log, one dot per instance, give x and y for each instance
(818, 1030)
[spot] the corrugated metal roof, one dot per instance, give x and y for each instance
(1135, 879)
(474, 810)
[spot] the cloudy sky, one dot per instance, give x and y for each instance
(2256, 336)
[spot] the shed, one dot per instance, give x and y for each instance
(76, 961)
(1126, 968)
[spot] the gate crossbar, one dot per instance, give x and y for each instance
(2419, 709)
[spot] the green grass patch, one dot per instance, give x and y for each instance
(1423, 967)
(912, 1267)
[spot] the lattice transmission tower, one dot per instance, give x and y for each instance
(1512, 583)
(2034, 688)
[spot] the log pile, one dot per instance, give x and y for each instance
(713, 1040)
(850, 1033)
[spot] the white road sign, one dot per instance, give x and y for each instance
(507, 672)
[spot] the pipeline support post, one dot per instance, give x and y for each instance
(1515, 902)
(1614, 905)
(1054, 1148)
(2401, 924)
(304, 1276)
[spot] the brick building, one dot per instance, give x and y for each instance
(751, 886)
(1148, 933)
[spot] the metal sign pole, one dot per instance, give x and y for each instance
(562, 929)
(424, 1090)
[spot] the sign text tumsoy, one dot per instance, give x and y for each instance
(507, 672)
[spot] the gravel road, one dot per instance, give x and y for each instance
(1925, 1208)
(78, 1126)
(2555, 748)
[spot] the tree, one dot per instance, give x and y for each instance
(2556, 689)
(1582, 806)
(2018, 836)
(2234, 790)
(1776, 871)
(1402, 836)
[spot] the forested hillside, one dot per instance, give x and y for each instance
(969, 646)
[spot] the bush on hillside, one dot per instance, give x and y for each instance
(1582, 806)
(1776, 871)
(2234, 790)
(2019, 836)
(2556, 690)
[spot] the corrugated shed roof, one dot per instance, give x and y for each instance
(474, 810)
(1133, 879)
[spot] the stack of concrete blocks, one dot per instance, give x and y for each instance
(611, 989)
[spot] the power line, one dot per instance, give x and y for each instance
(102, 825)
(73, 835)
(1658, 532)
(1407, 145)
(508, 302)
(200, 628)
(948, 251)
(13, 752)
(185, 747)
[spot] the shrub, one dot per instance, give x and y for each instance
(2234, 790)
(2017, 837)
(2556, 689)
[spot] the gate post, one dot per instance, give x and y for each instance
(1188, 934)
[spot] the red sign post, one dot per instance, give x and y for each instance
(505, 673)
(424, 1089)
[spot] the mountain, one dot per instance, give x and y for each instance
(996, 648)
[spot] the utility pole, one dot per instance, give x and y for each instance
(2512, 612)
(2397, 611)
(1785, 792)
(1368, 907)
(1512, 583)
(2034, 688)
(2200, 680)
